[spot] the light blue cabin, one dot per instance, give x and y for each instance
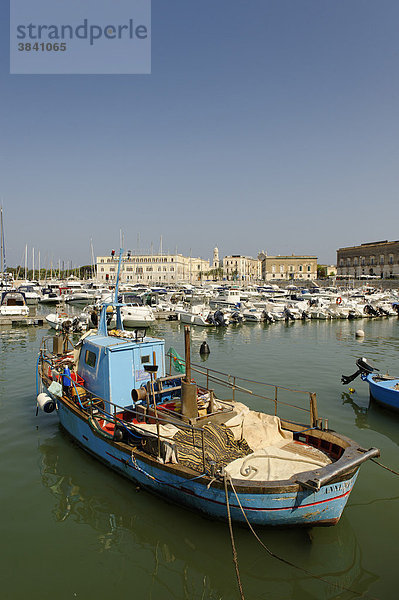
(111, 367)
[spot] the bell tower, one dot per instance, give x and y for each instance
(215, 261)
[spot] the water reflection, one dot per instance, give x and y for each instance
(191, 557)
(373, 416)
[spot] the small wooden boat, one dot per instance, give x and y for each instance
(171, 435)
(384, 389)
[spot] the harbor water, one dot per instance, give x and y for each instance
(73, 529)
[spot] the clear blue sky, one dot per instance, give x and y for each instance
(265, 124)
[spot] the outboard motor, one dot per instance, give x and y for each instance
(305, 315)
(370, 310)
(288, 315)
(235, 317)
(395, 306)
(67, 326)
(267, 316)
(364, 368)
(219, 318)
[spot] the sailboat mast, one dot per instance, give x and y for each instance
(2, 244)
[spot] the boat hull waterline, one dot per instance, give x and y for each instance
(267, 507)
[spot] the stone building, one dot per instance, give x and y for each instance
(241, 268)
(150, 269)
(288, 267)
(378, 259)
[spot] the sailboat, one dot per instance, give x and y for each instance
(12, 303)
(5, 278)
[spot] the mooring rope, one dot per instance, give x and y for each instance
(288, 562)
(384, 466)
(233, 546)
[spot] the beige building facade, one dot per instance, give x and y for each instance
(242, 268)
(288, 267)
(378, 259)
(149, 269)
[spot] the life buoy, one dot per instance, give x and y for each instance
(338, 300)
(62, 315)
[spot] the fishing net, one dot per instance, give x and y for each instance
(220, 448)
(178, 363)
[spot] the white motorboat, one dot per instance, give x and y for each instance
(13, 304)
(31, 296)
(197, 315)
(50, 296)
(134, 315)
(253, 315)
(62, 320)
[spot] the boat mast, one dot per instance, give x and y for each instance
(26, 262)
(94, 270)
(117, 277)
(3, 250)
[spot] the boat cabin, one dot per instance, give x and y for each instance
(112, 366)
(13, 303)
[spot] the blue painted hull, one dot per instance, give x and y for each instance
(289, 507)
(383, 392)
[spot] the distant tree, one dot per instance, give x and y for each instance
(321, 272)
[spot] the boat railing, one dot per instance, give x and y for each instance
(273, 392)
(96, 408)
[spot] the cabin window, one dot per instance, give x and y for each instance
(145, 359)
(90, 358)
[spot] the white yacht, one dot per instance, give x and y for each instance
(13, 304)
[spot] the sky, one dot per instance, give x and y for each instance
(264, 125)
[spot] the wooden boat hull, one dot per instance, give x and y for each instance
(273, 504)
(383, 392)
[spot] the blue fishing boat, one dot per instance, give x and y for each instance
(384, 389)
(174, 437)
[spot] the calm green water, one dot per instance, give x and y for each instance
(71, 528)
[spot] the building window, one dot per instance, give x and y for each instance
(390, 260)
(300, 268)
(363, 261)
(381, 259)
(348, 262)
(355, 262)
(341, 262)
(309, 268)
(281, 268)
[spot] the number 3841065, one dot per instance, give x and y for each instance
(42, 47)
